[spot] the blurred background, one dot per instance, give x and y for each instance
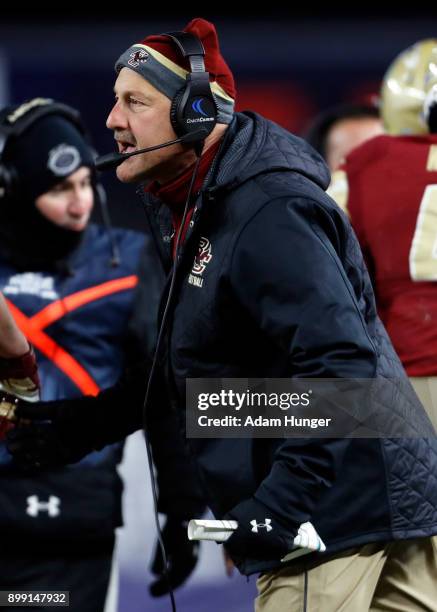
(289, 65)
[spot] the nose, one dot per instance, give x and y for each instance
(79, 200)
(116, 118)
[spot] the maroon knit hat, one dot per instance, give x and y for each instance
(158, 60)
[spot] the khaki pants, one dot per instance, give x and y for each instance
(426, 389)
(397, 576)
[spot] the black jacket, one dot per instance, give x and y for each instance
(283, 292)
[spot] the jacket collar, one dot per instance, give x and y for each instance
(253, 145)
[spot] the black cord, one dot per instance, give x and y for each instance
(152, 372)
(102, 200)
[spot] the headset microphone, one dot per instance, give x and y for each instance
(112, 160)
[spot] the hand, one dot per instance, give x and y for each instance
(182, 555)
(49, 434)
(19, 376)
(18, 379)
(8, 404)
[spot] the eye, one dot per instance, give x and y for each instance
(136, 105)
(58, 188)
(134, 102)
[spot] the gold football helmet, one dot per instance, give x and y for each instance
(405, 87)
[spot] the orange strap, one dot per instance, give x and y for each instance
(32, 327)
(58, 309)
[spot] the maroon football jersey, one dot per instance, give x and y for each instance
(392, 203)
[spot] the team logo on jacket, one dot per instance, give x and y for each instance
(203, 257)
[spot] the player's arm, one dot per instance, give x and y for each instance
(18, 369)
(13, 342)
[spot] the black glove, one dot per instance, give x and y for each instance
(259, 534)
(50, 434)
(182, 555)
(55, 433)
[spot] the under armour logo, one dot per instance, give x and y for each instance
(267, 525)
(34, 506)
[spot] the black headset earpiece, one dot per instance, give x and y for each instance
(194, 105)
(15, 121)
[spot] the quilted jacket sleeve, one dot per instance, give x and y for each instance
(287, 273)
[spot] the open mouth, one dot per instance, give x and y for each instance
(125, 147)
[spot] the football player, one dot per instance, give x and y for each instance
(388, 186)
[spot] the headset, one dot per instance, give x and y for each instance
(194, 105)
(14, 122)
(193, 111)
